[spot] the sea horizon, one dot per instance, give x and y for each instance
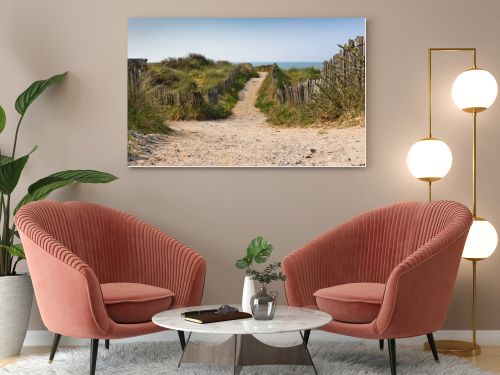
(290, 64)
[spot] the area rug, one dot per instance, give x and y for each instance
(162, 357)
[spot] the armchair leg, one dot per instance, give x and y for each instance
(182, 339)
(392, 355)
(432, 344)
(307, 333)
(55, 344)
(381, 344)
(94, 345)
(106, 344)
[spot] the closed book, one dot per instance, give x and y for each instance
(196, 313)
(210, 317)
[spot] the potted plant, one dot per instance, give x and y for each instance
(16, 291)
(258, 251)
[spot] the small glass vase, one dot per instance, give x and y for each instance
(263, 304)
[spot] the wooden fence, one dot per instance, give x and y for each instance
(347, 65)
(175, 97)
(135, 69)
(299, 93)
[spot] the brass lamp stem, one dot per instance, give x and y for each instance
(474, 166)
(474, 305)
(430, 191)
(429, 91)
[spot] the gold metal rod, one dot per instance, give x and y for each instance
(429, 90)
(458, 49)
(474, 300)
(430, 191)
(429, 75)
(474, 165)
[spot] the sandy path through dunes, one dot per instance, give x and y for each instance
(245, 139)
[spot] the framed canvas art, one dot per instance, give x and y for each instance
(246, 92)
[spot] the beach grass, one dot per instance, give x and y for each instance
(196, 73)
(333, 104)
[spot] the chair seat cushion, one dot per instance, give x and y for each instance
(351, 303)
(135, 303)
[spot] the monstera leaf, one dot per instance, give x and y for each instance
(29, 95)
(242, 263)
(258, 250)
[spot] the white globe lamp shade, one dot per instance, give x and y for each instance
(481, 241)
(474, 90)
(429, 159)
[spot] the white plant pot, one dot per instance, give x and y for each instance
(16, 298)
(248, 292)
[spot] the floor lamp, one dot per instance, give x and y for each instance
(429, 160)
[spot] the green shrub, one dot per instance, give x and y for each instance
(296, 75)
(190, 62)
(193, 73)
(212, 76)
(171, 78)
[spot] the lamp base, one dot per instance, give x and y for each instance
(456, 348)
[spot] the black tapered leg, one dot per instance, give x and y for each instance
(55, 344)
(182, 339)
(106, 344)
(432, 344)
(307, 333)
(381, 344)
(94, 345)
(392, 355)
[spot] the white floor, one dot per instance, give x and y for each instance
(484, 337)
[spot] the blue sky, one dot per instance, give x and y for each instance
(241, 39)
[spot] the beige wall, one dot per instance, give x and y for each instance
(82, 124)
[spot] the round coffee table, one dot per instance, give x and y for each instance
(242, 348)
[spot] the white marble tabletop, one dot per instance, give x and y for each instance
(286, 319)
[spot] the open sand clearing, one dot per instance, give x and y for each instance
(245, 139)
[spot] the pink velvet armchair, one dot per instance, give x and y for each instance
(385, 274)
(99, 273)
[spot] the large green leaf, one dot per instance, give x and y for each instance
(10, 172)
(4, 159)
(15, 250)
(3, 119)
(29, 95)
(42, 193)
(242, 263)
(86, 176)
(43, 187)
(259, 250)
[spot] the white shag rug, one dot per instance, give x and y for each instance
(162, 358)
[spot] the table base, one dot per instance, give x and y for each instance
(246, 350)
